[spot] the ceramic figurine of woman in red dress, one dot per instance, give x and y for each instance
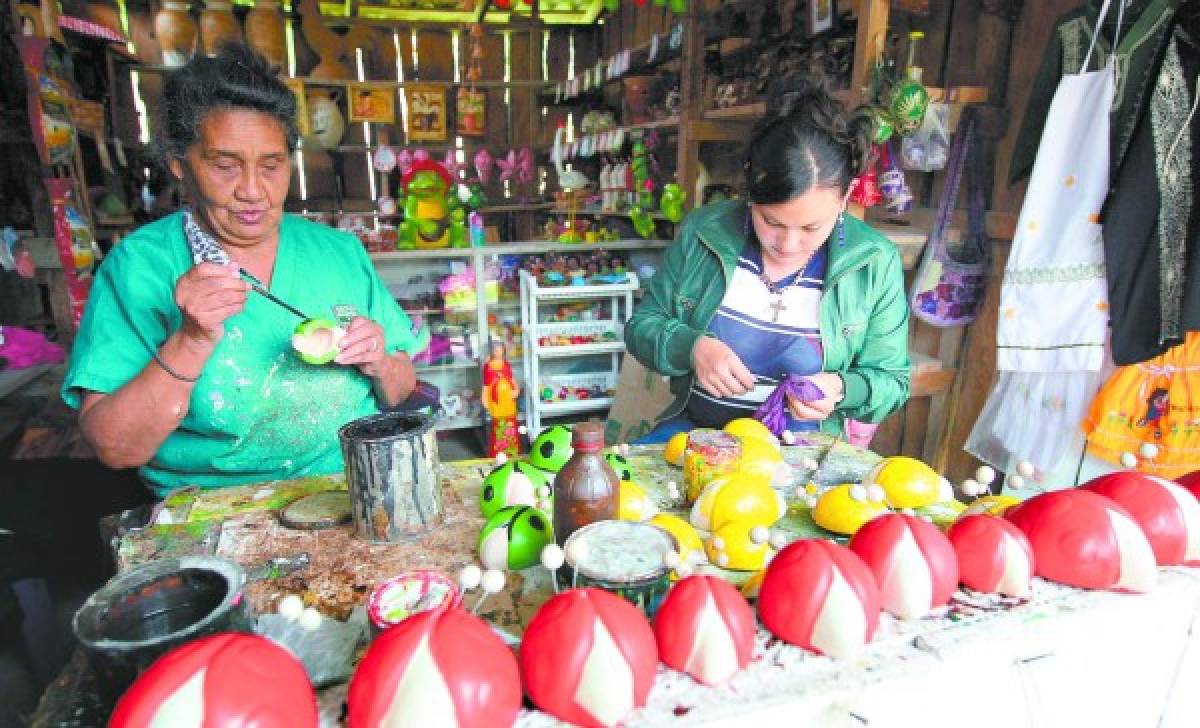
(500, 393)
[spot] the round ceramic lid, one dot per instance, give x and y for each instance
(621, 551)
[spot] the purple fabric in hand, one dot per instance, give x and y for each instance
(773, 411)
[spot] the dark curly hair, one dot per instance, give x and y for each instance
(236, 78)
(806, 140)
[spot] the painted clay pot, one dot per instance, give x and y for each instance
(265, 32)
(218, 26)
(1086, 540)
(176, 32)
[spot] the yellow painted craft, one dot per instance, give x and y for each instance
(750, 427)
(634, 504)
(685, 536)
(996, 505)
(760, 457)
(673, 452)
(845, 508)
(740, 496)
(908, 482)
(732, 546)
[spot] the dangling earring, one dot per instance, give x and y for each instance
(842, 227)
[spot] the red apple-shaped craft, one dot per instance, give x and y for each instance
(993, 555)
(1086, 540)
(913, 563)
(588, 657)
(819, 596)
(230, 680)
(443, 667)
(1167, 513)
(705, 628)
(1191, 481)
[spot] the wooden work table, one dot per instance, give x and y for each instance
(1061, 658)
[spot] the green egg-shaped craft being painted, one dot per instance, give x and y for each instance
(514, 483)
(316, 340)
(551, 449)
(620, 466)
(514, 537)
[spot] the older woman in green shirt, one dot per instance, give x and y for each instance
(177, 369)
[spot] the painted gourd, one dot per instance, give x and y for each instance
(232, 680)
(620, 466)
(1166, 512)
(994, 556)
(908, 482)
(750, 427)
(316, 341)
(551, 449)
(1086, 540)
(436, 668)
(913, 563)
(847, 507)
(739, 496)
(511, 484)
(705, 628)
(733, 546)
(588, 657)
(633, 503)
(687, 539)
(513, 538)
(820, 596)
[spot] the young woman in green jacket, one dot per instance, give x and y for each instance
(786, 283)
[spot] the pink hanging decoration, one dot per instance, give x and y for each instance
(404, 160)
(450, 162)
(508, 165)
(421, 155)
(525, 166)
(483, 165)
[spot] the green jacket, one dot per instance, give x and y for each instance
(864, 311)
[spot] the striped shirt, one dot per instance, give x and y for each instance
(769, 348)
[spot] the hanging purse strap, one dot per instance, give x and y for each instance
(954, 169)
(976, 249)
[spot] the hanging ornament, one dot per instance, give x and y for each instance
(525, 168)
(897, 197)
(404, 160)
(882, 124)
(679, 7)
(671, 202)
(612, 6)
(483, 165)
(864, 190)
(909, 98)
(452, 165)
(384, 159)
(507, 165)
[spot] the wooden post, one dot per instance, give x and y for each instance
(691, 103)
(872, 31)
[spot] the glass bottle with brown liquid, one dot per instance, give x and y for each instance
(586, 488)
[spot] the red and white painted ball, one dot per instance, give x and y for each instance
(705, 628)
(588, 657)
(229, 680)
(1167, 513)
(1087, 540)
(993, 555)
(443, 667)
(820, 596)
(1191, 481)
(912, 561)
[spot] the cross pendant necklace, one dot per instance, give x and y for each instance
(776, 307)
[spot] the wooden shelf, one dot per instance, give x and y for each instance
(744, 112)
(603, 213)
(517, 248)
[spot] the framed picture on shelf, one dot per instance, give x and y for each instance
(820, 16)
(470, 112)
(371, 103)
(426, 113)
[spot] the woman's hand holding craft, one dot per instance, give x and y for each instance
(363, 346)
(719, 370)
(817, 410)
(207, 295)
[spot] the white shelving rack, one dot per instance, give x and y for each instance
(540, 346)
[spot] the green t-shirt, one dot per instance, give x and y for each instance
(258, 412)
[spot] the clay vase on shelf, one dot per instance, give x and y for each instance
(639, 92)
(265, 32)
(176, 32)
(218, 26)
